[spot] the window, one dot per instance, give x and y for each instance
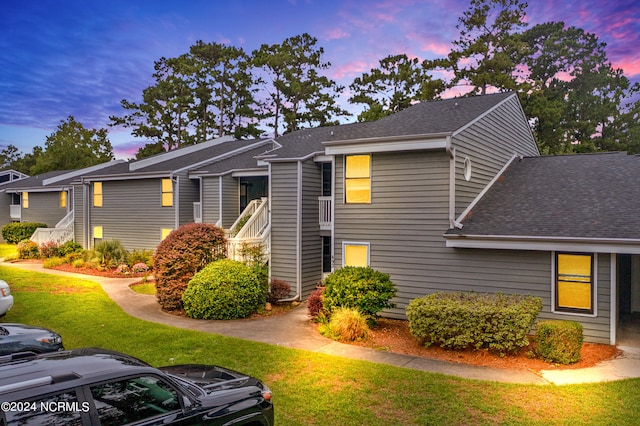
(358, 179)
(574, 282)
(326, 179)
(25, 200)
(97, 232)
(97, 194)
(165, 233)
(355, 254)
(63, 199)
(59, 409)
(134, 399)
(167, 193)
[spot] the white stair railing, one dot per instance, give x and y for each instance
(255, 232)
(62, 232)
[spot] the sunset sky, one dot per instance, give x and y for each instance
(82, 57)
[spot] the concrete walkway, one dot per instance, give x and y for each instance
(294, 330)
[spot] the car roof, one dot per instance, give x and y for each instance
(80, 366)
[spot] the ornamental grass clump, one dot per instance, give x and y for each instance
(497, 322)
(346, 325)
(225, 289)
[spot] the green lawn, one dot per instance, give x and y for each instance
(310, 388)
(8, 250)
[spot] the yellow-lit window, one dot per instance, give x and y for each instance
(574, 282)
(97, 232)
(356, 254)
(25, 200)
(167, 193)
(97, 194)
(63, 199)
(166, 232)
(357, 180)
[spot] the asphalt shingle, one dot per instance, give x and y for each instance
(591, 196)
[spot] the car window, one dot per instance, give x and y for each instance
(134, 399)
(59, 409)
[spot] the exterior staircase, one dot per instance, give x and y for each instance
(255, 232)
(62, 232)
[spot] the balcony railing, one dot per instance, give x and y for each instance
(325, 213)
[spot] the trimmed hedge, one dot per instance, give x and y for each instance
(183, 253)
(365, 289)
(497, 322)
(559, 341)
(15, 232)
(225, 289)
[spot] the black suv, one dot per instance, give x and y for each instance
(99, 387)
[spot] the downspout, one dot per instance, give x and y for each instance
(299, 233)
(219, 223)
(86, 220)
(451, 152)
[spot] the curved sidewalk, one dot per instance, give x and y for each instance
(294, 330)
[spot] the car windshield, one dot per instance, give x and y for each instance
(191, 387)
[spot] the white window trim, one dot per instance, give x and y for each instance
(344, 179)
(595, 287)
(355, 243)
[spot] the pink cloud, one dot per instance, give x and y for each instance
(336, 34)
(350, 69)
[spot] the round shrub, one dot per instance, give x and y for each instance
(69, 247)
(364, 289)
(49, 249)
(181, 255)
(225, 289)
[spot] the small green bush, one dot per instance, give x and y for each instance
(49, 249)
(497, 322)
(110, 253)
(27, 249)
(52, 262)
(69, 247)
(559, 341)
(346, 325)
(181, 255)
(365, 289)
(225, 289)
(140, 256)
(15, 232)
(78, 263)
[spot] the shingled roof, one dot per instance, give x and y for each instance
(424, 118)
(585, 197)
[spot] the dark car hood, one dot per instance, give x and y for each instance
(25, 330)
(210, 377)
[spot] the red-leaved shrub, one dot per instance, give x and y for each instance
(315, 305)
(278, 290)
(181, 255)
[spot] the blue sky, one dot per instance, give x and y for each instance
(81, 58)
